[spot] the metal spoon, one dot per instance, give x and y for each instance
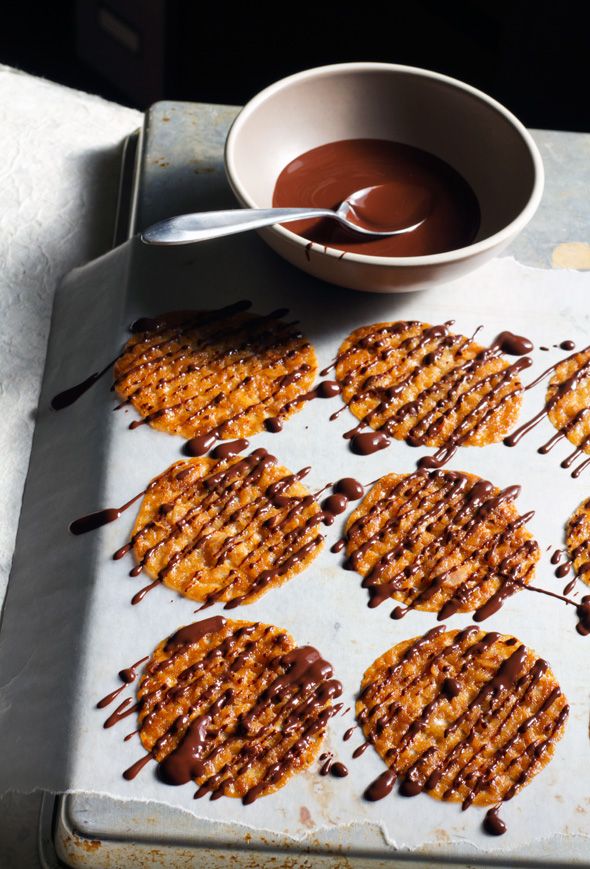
(354, 213)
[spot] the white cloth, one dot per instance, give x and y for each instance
(58, 176)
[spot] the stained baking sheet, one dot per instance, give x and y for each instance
(69, 626)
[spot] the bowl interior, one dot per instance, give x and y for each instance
(472, 135)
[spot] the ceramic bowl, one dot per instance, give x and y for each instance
(472, 132)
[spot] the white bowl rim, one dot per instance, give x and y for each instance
(502, 236)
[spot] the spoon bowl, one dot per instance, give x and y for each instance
(386, 209)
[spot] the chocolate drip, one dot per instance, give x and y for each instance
(137, 767)
(381, 787)
(121, 712)
(333, 767)
(568, 344)
(328, 389)
(326, 759)
(345, 490)
(199, 445)
(350, 488)
(102, 517)
(569, 587)
(563, 569)
(273, 424)
(110, 697)
(127, 676)
(120, 553)
(139, 596)
(582, 467)
(366, 443)
(493, 823)
(583, 611)
(335, 504)
(194, 633)
(230, 449)
(557, 556)
(71, 395)
(513, 345)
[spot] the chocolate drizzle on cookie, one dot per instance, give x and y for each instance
(425, 385)
(226, 529)
(578, 548)
(567, 406)
(234, 706)
(443, 541)
(216, 374)
(209, 375)
(479, 745)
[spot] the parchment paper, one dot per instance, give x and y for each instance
(69, 626)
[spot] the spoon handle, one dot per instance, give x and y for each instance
(187, 228)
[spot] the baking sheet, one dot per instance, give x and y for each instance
(69, 626)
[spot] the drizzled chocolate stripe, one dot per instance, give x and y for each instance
(227, 530)
(423, 384)
(143, 325)
(442, 541)
(567, 404)
(578, 545)
(218, 374)
(464, 715)
(234, 706)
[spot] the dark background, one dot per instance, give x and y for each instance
(532, 56)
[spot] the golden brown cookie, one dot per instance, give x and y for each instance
(568, 399)
(442, 541)
(465, 715)
(235, 706)
(578, 540)
(424, 384)
(222, 372)
(227, 530)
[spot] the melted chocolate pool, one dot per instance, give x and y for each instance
(416, 180)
